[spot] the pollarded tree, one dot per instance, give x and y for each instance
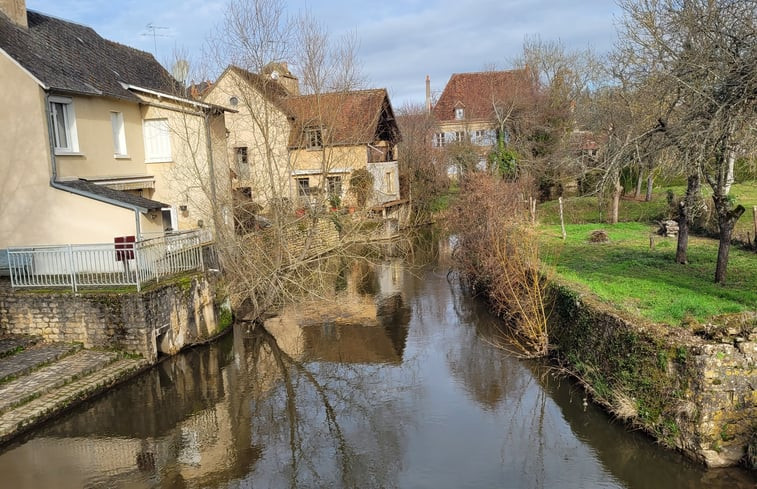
(702, 55)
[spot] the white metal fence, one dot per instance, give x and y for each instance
(107, 265)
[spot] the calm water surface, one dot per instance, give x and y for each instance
(391, 383)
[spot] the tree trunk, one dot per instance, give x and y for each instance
(616, 200)
(685, 211)
(637, 193)
(731, 158)
(683, 234)
(726, 222)
(650, 184)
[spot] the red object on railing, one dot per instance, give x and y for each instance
(124, 247)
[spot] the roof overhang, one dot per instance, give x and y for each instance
(319, 171)
(108, 195)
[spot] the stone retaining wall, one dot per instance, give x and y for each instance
(163, 319)
(691, 393)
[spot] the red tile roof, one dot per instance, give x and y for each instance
(356, 117)
(477, 93)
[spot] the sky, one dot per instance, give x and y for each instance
(400, 41)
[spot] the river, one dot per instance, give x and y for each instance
(390, 381)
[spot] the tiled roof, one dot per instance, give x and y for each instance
(82, 187)
(355, 117)
(477, 93)
(73, 58)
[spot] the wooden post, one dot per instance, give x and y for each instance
(562, 221)
(651, 241)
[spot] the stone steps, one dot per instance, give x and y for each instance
(57, 399)
(10, 345)
(27, 359)
(45, 379)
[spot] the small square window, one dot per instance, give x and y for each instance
(459, 113)
(303, 186)
(314, 138)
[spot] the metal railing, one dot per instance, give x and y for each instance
(107, 265)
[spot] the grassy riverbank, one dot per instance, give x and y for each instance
(647, 282)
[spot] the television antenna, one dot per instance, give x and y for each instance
(155, 31)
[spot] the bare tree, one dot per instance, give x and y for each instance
(701, 56)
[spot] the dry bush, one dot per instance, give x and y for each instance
(497, 253)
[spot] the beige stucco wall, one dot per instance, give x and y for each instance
(96, 146)
(31, 211)
(185, 180)
(263, 129)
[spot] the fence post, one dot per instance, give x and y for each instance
(137, 267)
(199, 247)
(72, 269)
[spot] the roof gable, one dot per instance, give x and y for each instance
(478, 93)
(73, 58)
(355, 117)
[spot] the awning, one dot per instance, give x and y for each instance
(111, 196)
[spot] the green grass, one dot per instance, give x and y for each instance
(579, 210)
(648, 283)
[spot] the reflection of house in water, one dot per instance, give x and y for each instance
(182, 430)
(365, 320)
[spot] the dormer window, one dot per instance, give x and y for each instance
(459, 113)
(313, 138)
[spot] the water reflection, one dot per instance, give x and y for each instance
(390, 381)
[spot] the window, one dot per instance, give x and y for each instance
(389, 182)
(334, 186)
(243, 167)
(119, 134)
(64, 125)
(313, 138)
(303, 186)
(157, 140)
(459, 136)
(438, 140)
(459, 113)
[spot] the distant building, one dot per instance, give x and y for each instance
(478, 108)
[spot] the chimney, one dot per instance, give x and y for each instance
(15, 10)
(428, 94)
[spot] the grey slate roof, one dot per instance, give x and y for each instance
(70, 57)
(87, 189)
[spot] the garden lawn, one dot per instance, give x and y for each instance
(625, 273)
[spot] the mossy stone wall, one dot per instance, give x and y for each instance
(689, 393)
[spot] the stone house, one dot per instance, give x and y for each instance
(302, 149)
(478, 108)
(99, 139)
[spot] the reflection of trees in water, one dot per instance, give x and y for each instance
(487, 374)
(313, 415)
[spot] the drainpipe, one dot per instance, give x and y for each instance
(211, 165)
(54, 169)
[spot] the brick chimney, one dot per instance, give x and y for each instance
(15, 10)
(428, 93)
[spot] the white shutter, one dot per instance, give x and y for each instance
(157, 140)
(119, 133)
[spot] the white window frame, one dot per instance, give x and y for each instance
(119, 134)
(157, 128)
(439, 140)
(314, 138)
(69, 124)
(459, 113)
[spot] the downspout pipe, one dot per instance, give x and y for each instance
(54, 173)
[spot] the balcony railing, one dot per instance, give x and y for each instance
(107, 264)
